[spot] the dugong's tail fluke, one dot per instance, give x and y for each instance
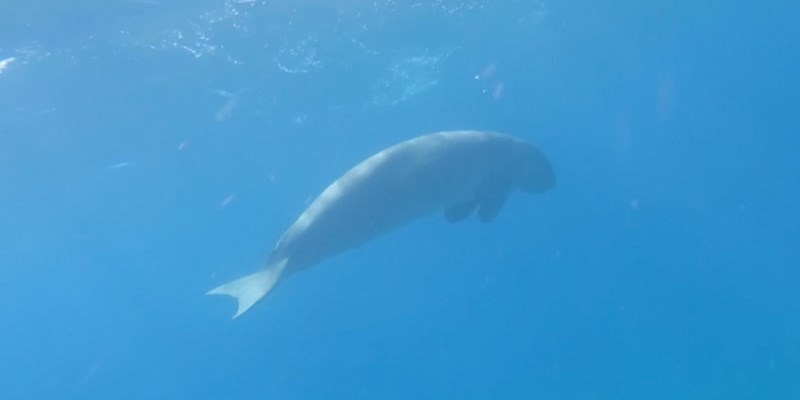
(252, 288)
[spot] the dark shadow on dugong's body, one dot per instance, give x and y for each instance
(460, 172)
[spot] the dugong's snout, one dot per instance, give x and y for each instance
(534, 174)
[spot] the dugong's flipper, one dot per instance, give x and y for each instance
(490, 207)
(251, 288)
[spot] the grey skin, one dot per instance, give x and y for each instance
(458, 172)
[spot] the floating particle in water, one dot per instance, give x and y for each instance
(300, 119)
(498, 90)
(487, 72)
(228, 200)
(225, 111)
(120, 165)
(6, 62)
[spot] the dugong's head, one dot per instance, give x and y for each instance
(532, 171)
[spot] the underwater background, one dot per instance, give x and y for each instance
(151, 150)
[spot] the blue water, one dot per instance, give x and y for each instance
(151, 150)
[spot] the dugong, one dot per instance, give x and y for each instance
(459, 172)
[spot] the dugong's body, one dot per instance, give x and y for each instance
(460, 172)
